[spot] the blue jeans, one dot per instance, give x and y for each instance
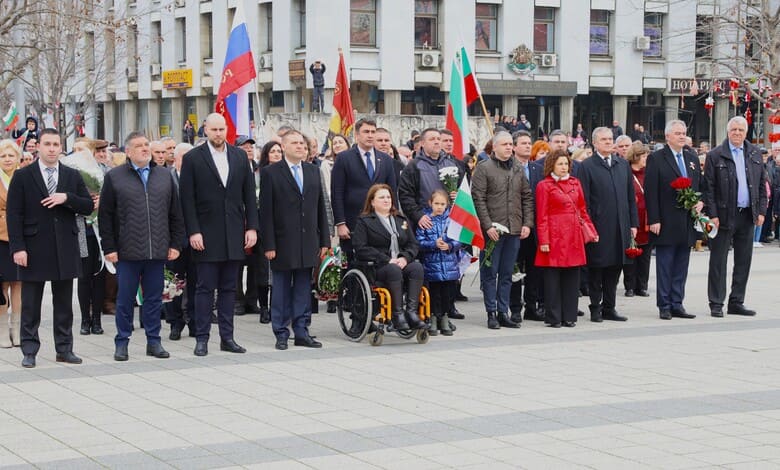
(149, 273)
(496, 280)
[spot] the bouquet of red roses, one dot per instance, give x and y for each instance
(633, 251)
(687, 198)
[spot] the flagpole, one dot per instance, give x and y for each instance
(487, 117)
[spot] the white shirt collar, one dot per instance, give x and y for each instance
(43, 167)
(214, 150)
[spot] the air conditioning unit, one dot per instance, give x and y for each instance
(429, 59)
(642, 43)
(653, 98)
(266, 60)
(703, 68)
(155, 69)
(548, 60)
(180, 3)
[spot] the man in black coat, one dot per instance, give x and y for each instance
(43, 240)
(609, 194)
(671, 226)
(353, 173)
(736, 200)
(141, 227)
(219, 203)
(294, 236)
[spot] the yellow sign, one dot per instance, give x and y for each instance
(194, 120)
(165, 131)
(178, 78)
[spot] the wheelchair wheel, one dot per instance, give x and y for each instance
(423, 336)
(377, 338)
(354, 305)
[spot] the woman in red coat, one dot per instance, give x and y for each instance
(561, 248)
(636, 275)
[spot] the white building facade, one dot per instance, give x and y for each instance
(559, 62)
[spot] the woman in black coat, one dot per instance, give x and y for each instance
(385, 238)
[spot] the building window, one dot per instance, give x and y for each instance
(156, 42)
(426, 19)
(485, 32)
(206, 44)
(302, 21)
(654, 29)
(269, 27)
(704, 35)
(599, 32)
(544, 29)
(362, 31)
(181, 40)
(89, 47)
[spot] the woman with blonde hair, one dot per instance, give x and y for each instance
(10, 157)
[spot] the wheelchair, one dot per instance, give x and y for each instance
(362, 305)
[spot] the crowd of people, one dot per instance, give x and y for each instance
(241, 229)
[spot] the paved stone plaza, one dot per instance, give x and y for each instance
(648, 393)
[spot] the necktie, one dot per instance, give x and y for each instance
(743, 193)
(681, 165)
(608, 161)
(369, 166)
(527, 173)
(51, 183)
(298, 179)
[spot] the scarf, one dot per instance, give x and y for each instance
(6, 178)
(389, 224)
(559, 178)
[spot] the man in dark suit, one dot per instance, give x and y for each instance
(43, 200)
(354, 171)
(609, 194)
(736, 201)
(220, 213)
(671, 227)
(295, 236)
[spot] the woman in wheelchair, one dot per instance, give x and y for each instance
(385, 238)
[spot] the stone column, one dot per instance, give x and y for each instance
(671, 107)
(178, 111)
(292, 101)
(721, 116)
(90, 121)
(109, 124)
(153, 118)
(619, 111)
(508, 105)
(392, 102)
(128, 120)
(202, 109)
(567, 113)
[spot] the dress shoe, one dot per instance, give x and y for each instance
(516, 317)
(265, 315)
(716, 312)
(201, 348)
(596, 317)
(554, 325)
(97, 325)
(281, 344)
(570, 324)
(308, 342)
(85, 326)
(461, 298)
(613, 316)
(250, 308)
(642, 293)
(629, 293)
(681, 313)
(492, 321)
(739, 309)
(68, 358)
(120, 353)
(455, 314)
(156, 350)
(415, 323)
(332, 306)
(665, 314)
(533, 315)
(238, 309)
(580, 313)
(28, 361)
(230, 345)
(175, 333)
(505, 321)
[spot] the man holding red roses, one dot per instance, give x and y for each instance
(671, 171)
(736, 200)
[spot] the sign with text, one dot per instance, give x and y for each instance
(178, 78)
(683, 86)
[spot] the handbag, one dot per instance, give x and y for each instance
(589, 233)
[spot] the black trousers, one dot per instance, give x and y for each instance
(248, 296)
(636, 275)
(602, 284)
(531, 295)
(561, 293)
(393, 278)
(740, 236)
(219, 276)
(176, 312)
(62, 297)
(91, 288)
(441, 296)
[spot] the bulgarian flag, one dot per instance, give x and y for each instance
(469, 79)
(22, 138)
(464, 224)
(456, 113)
(11, 118)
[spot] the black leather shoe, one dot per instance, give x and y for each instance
(156, 350)
(681, 313)
(739, 309)
(461, 298)
(281, 344)
(86, 327)
(516, 317)
(308, 342)
(596, 317)
(629, 293)
(249, 308)
(265, 315)
(642, 293)
(238, 309)
(175, 333)
(533, 315)
(69, 358)
(505, 321)
(120, 353)
(28, 361)
(231, 346)
(554, 325)
(613, 316)
(570, 324)
(332, 306)
(492, 321)
(580, 313)
(455, 314)
(665, 314)
(201, 348)
(716, 312)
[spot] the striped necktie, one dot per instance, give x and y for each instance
(51, 183)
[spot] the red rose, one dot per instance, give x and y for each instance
(633, 252)
(681, 183)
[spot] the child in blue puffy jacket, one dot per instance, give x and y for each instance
(440, 256)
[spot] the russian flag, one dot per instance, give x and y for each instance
(238, 76)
